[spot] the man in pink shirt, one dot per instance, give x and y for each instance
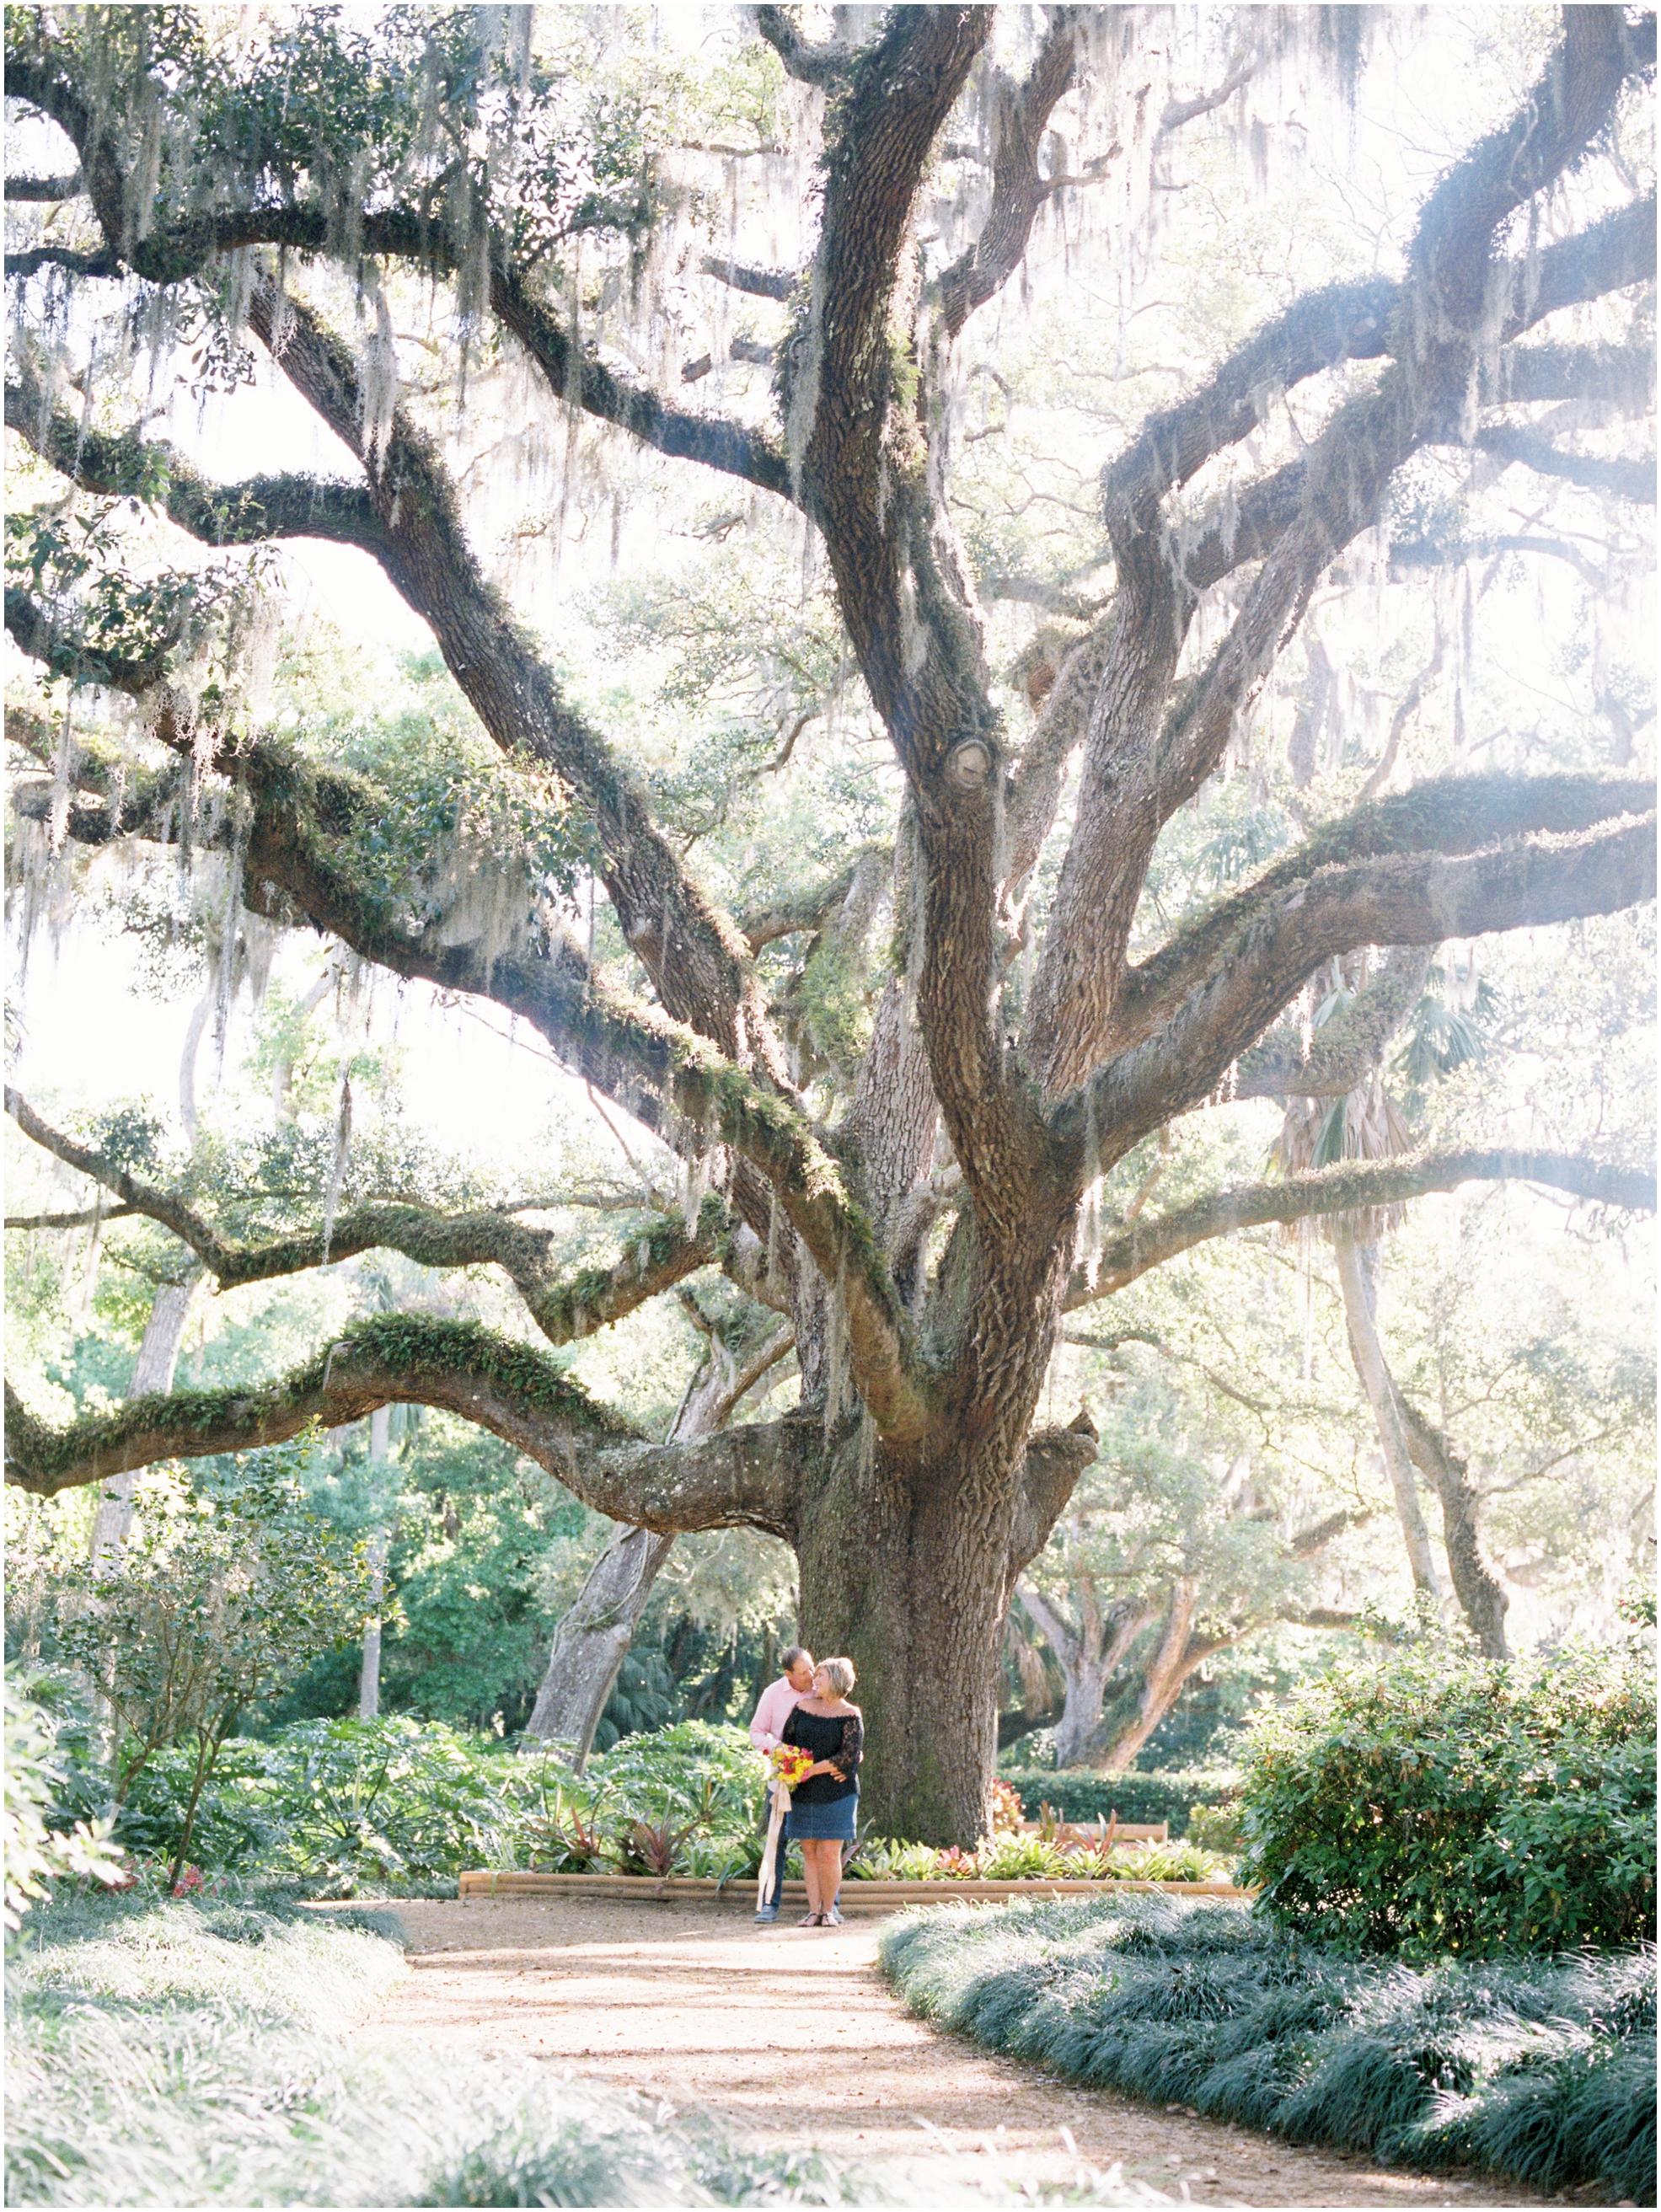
(778, 1701)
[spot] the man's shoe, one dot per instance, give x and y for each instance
(766, 1917)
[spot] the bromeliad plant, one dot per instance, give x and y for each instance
(657, 1847)
(566, 1836)
(1021, 1859)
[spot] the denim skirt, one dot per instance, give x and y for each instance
(823, 1824)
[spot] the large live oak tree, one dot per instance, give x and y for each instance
(911, 1482)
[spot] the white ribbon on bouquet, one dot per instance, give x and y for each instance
(775, 1844)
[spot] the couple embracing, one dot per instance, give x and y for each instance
(807, 1709)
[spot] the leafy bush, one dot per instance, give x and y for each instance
(652, 1775)
(401, 1802)
(339, 1802)
(1436, 1802)
(217, 1591)
(391, 1798)
(1077, 1794)
(1543, 2069)
(1215, 1828)
(237, 1822)
(38, 1852)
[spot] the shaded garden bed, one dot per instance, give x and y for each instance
(862, 1897)
(1541, 2068)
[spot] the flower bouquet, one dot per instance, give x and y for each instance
(789, 1764)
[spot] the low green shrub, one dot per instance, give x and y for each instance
(1216, 1827)
(393, 1799)
(1035, 1858)
(1437, 1801)
(402, 1802)
(1543, 2069)
(1077, 1794)
(653, 1775)
(38, 1852)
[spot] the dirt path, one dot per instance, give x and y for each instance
(793, 2033)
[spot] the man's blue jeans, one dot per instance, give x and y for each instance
(777, 1888)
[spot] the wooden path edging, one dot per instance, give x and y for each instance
(856, 1897)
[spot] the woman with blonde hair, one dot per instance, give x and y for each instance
(824, 1805)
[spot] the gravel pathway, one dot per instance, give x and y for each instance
(795, 2033)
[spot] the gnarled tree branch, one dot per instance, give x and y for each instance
(1445, 815)
(747, 1477)
(565, 1308)
(1416, 900)
(1344, 1188)
(1017, 190)
(1340, 1054)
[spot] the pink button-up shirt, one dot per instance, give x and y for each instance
(778, 1702)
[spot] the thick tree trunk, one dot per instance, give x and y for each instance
(1481, 1593)
(368, 1675)
(1356, 1280)
(902, 1574)
(153, 1370)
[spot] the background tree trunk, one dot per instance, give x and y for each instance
(153, 1370)
(368, 1677)
(1174, 1657)
(1481, 1593)
(592, 1642)
(1357, 1268)
(1090, 1657)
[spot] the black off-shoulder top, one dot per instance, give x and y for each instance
(839, 1737)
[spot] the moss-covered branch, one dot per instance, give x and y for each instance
(565, 1307)
(1349, 1186)
(1018, 191)
(1340, 1054)
(127, 464)
(749, 1477)
(648, 1064)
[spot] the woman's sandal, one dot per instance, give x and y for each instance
(811, 1920)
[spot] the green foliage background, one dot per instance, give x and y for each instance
(1436, 1803)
